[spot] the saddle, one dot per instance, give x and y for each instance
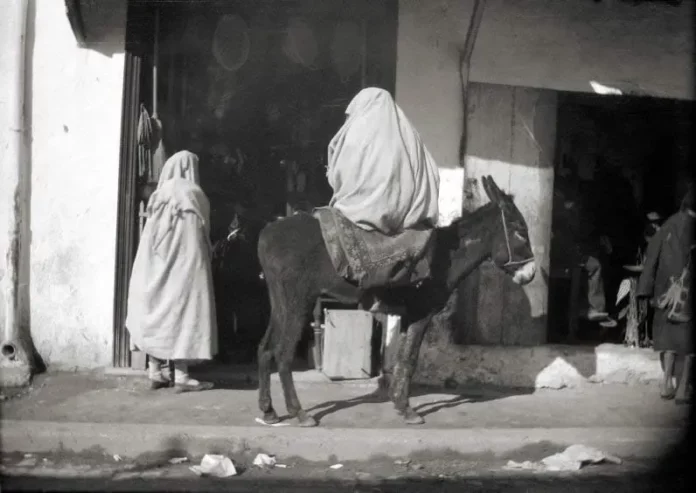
(371, 259)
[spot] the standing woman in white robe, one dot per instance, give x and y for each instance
(171, 305)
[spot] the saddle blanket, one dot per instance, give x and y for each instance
(372, 259)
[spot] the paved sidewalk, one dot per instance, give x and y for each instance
(121, 415)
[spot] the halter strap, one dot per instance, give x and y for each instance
(507, 244)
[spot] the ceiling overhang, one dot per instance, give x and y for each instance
(74, 13)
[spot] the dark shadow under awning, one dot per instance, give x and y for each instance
(73, 10)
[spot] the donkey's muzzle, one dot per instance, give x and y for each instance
(525, 273)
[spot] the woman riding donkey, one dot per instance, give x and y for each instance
(385, 189)
(383, 177)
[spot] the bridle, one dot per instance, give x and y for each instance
(511, 262)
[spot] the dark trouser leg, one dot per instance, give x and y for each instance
(666, 388)
(595, 286)
(683, 394)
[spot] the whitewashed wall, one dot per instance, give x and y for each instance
(74, 117)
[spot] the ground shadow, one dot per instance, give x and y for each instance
(380, 396)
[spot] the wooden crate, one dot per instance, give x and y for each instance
(347, 344)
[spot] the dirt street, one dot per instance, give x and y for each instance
(95, 471)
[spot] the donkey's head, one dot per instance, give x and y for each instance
(511, 250)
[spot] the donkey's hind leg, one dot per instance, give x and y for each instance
(265, 357)
(284, 356)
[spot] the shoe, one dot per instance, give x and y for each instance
(668, 396)
(156, 384)
(609, 323)
(192, 385)
(158, 373)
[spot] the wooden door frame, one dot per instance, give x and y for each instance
(135, 81)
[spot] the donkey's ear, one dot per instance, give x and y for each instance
(496, 189)
(486, 181)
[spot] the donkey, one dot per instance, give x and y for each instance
(298, 269)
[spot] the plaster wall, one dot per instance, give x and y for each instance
(73, 111)
(561, 45)
(566, 44)
(512, 133)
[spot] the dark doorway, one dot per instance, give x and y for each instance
(617, 159)
(257, 89)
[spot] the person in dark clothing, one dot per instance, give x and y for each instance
(651, 227)
(581, 240)
(616, 212)
(666, 279)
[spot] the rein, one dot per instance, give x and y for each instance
(507, 244)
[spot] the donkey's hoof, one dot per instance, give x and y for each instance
(304, 420)
(271, 418)
(411, 417)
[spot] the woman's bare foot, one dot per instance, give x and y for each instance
(667, 390)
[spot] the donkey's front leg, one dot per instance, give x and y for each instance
(405, 367)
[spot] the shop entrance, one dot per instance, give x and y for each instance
(256, 90)
(618, 159)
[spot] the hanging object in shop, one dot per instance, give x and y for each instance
(346, 49)
(231, 42)
(300, 44)
(145, 138)
(159, 155)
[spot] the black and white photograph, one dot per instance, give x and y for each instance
(355, 246)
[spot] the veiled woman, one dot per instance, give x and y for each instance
(383, 177)
(171, 306)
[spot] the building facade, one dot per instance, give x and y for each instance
(61, 182)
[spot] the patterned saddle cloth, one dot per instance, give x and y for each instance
(372, 259)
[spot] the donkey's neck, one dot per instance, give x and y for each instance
(474, 233)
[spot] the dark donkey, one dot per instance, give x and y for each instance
(298, 269)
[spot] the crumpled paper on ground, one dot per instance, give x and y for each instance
(571, 459)
(264, 460)
(215, 465)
